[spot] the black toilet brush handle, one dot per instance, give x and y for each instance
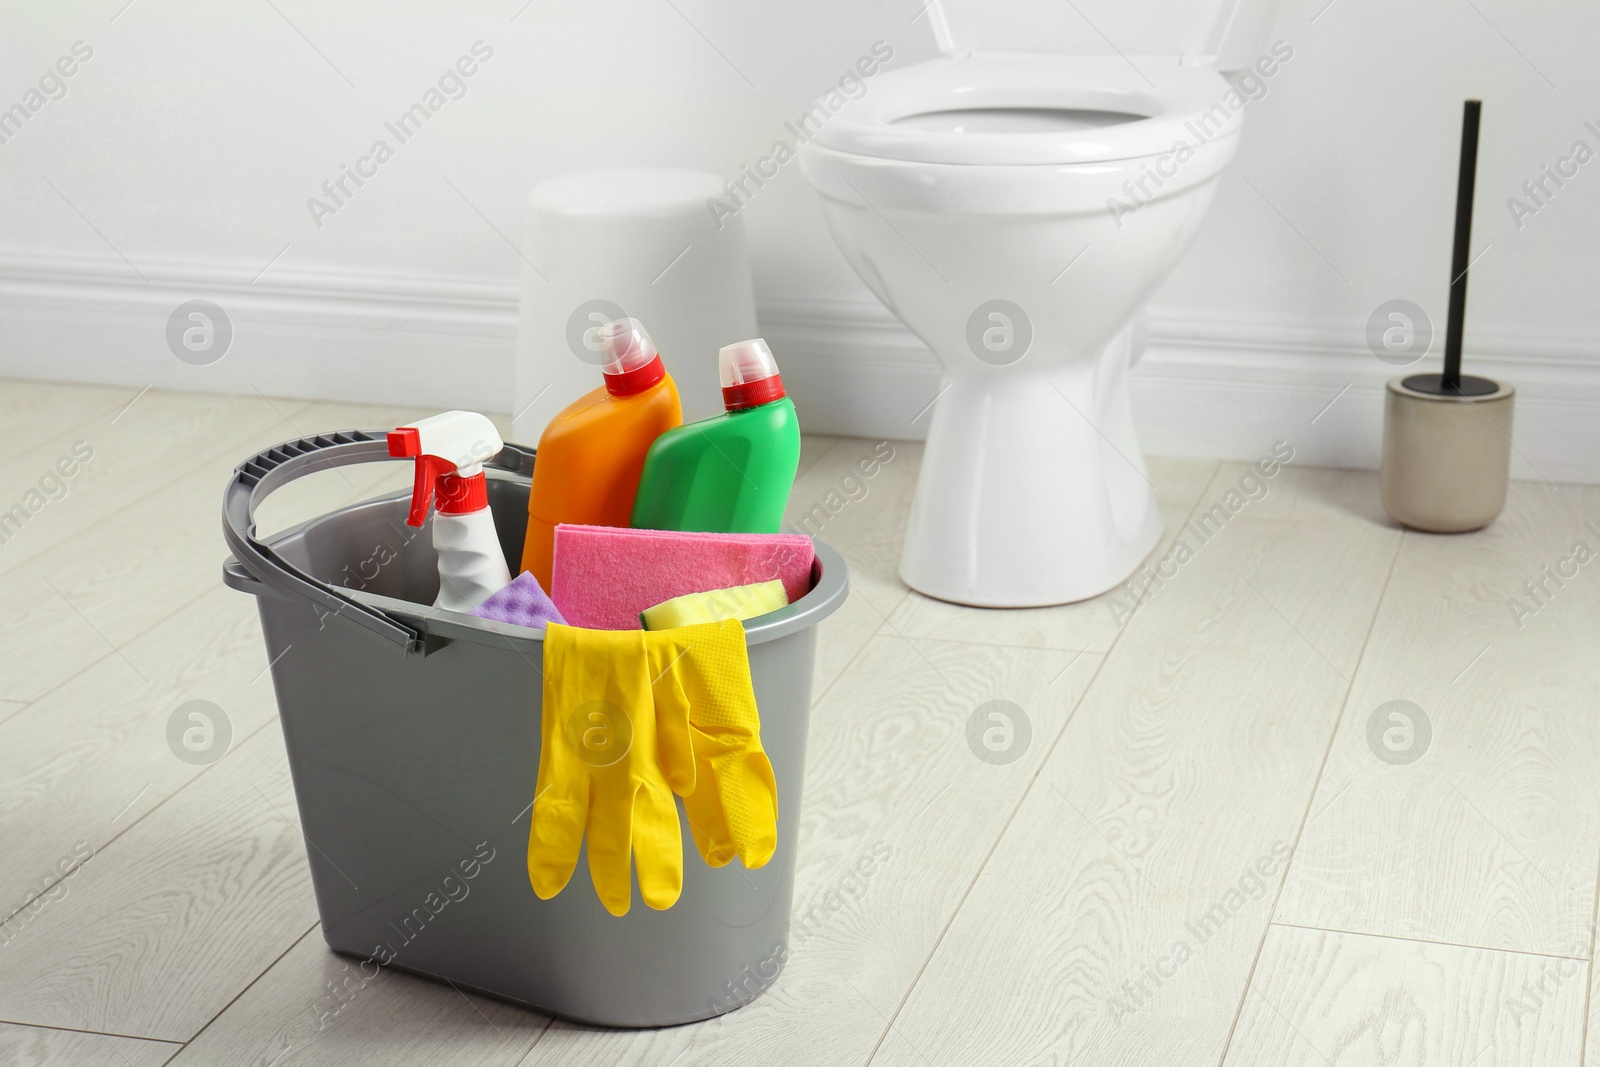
(1450, 381)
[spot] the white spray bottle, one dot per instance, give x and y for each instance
(450, 450)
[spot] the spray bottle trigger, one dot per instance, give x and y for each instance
(429, 470)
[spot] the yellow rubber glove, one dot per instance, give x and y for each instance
(728, 790)
(600, 771)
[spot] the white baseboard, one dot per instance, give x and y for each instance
(1224, 390)
(1219, 389)
(388, 340)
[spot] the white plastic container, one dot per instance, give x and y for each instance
(639, 242)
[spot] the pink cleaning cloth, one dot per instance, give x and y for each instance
(604, 576)
(522, 603)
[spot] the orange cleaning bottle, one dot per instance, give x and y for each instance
(590, 456)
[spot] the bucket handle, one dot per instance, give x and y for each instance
(262, 474)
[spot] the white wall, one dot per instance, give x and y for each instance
(180, 160)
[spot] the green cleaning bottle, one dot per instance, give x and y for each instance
(732, 473)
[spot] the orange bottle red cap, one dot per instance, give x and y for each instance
(632, 364)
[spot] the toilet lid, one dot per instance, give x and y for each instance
(1232, 32)
(1002, 109)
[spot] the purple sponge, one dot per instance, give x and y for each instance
(522, 603)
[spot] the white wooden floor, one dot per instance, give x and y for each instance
(1205, 854)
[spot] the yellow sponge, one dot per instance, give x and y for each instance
(739, 602)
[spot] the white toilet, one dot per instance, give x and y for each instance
(1015, 202)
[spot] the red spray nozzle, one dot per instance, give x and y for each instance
(449, 450)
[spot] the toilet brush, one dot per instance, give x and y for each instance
(1447, 436)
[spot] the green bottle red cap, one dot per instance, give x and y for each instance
(749, 375)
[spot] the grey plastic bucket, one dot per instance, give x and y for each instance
(413, 740)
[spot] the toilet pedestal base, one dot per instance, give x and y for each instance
(1032, 490)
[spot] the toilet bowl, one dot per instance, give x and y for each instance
(1015, 210)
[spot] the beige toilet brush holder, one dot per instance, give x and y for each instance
(1446, 455)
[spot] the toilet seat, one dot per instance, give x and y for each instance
(1164, 102)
